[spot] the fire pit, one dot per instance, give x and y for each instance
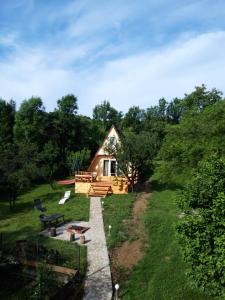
(77, 229)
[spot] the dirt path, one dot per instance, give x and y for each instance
(131, 251)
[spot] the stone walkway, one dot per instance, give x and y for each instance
(98, 283)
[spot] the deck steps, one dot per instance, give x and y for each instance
(100, 189)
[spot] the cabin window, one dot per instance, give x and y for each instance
(112, 140)
(110, 167)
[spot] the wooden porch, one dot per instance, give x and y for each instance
(99, 186)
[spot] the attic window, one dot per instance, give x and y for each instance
(112, 140)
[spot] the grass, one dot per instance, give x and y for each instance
(23, 222)
(117, 209)
(160, 275)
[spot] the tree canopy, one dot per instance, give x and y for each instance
(134, 154)
(196, 137)
(201, 231)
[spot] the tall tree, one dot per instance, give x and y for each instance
(7, 116)
(135, 154)
(18, 167)
(134, 119)
(30, 121)
(175, 110)
(200, 98)
(156, 120)
(106, 114)
(68, 105)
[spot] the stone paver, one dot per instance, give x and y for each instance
(98, 283)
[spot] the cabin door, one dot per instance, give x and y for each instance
(109, 167)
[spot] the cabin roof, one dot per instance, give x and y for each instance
(97, 153)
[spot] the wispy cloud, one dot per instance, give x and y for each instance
(130, 54)
(168, 72)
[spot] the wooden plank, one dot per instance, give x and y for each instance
(96, 195)
(101, 188)
(101, 183)
(54, 268)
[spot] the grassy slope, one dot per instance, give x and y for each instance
(117, 208)
(23, 222)
(161, 273)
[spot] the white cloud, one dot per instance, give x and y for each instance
(100, 19)
(167, 72)
(134, 80)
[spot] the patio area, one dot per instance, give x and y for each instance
(63, 234)
(98, 283)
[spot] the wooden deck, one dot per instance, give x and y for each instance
(101, 185)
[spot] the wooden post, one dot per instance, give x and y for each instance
(53, 232)
(72, 237)
(82, 239)
(78, 257)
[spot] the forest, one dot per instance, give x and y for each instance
(182, 141)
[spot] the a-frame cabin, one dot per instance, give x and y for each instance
(102, 177)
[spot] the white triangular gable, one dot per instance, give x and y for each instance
(112, 137)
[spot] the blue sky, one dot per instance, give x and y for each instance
(127, 52)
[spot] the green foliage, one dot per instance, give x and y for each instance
(198, 136)
(175, 110)
(49, 161)
(29, 121)
(201, 232)
(18, 167)
(156, 119)
(134, 119)
(68, 105)
(46, 283)
(200, 98)
(208, 181)
(7, 116)
(135, 154)
(79, 160)
(107, 115)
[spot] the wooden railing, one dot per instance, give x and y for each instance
(83, 173)
(83, 176)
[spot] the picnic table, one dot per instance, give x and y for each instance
(51, 220)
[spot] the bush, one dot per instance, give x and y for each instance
(201, 233)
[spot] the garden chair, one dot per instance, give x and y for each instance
(65, 198)
(38, 205)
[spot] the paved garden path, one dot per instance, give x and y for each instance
(98, 284)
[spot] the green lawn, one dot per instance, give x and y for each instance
(160, 275)
(117, 208)
(23, 222)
